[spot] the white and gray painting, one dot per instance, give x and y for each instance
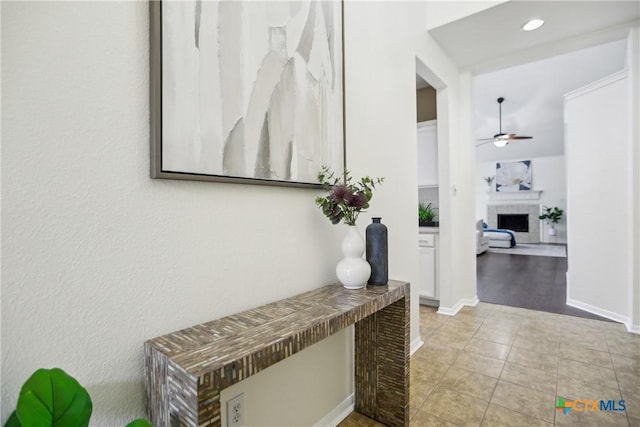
(252, 88)
(513, 176)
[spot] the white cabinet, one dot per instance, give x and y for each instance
(427, 272)
(428, 154)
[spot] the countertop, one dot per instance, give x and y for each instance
(428, 230)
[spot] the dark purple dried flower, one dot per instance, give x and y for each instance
(341, 192)
(345, 201)
(357, 201)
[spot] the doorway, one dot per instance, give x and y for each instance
(431, 129)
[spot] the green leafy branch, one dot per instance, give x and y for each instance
(346, 197)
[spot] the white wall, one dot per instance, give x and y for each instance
(548, 175)
(599, 154)
(456, 157)
(98, 257)
(381, 128)
(633, 63)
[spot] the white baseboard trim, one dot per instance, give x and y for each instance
(340, 412)
(337, 414)
(599, 311)
(634, 329)
(458, 306)
(415, 345)
(428, 301)
(472, 302)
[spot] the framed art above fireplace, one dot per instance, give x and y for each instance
(513, 176)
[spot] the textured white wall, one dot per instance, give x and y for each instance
(599, 188)
(633, 63)
(548, 175)
(98, 257)
(381, 110)
(455, 173)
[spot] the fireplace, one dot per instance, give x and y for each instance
(523, 216)
(514, 222)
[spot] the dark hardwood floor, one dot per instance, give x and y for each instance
(534, 282)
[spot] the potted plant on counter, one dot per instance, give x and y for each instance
(489, 180)
(552, 216)
(426, 215)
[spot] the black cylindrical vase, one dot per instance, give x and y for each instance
(377, 252)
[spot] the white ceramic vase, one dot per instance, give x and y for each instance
(352, 270)
(552, 230)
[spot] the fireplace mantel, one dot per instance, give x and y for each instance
(519, 195)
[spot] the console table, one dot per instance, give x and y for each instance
(186, 370)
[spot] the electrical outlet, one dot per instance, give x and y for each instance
(235, 411)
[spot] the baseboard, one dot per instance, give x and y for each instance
(599, 311)
(428, 301)
(415, 345)
(634, 329)
(342, 411)
(472, 302)
(337, 414)
(458, 306)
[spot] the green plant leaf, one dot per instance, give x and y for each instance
(140, 422)
(51, 397)
(13, 421)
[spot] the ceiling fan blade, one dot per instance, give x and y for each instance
(484, 142)
(504, 137)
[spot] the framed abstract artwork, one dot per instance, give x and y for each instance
(247, 91)
(513, 176)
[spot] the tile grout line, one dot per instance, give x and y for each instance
(509, 382)
(615, 374)
(484, 414)
(484, 321)
(451, 366)
(440, 379)
(519, 385)
(524, 321)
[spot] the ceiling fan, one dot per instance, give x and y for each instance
(501, 139)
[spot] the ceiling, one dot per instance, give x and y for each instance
(420, 83)
(482, 41)
(533, 99)
(580, 42)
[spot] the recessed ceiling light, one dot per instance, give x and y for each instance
(533, 24)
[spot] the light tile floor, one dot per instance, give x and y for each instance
(494, 365)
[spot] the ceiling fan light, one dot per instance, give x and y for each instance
(501, 141)
(533, 24)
